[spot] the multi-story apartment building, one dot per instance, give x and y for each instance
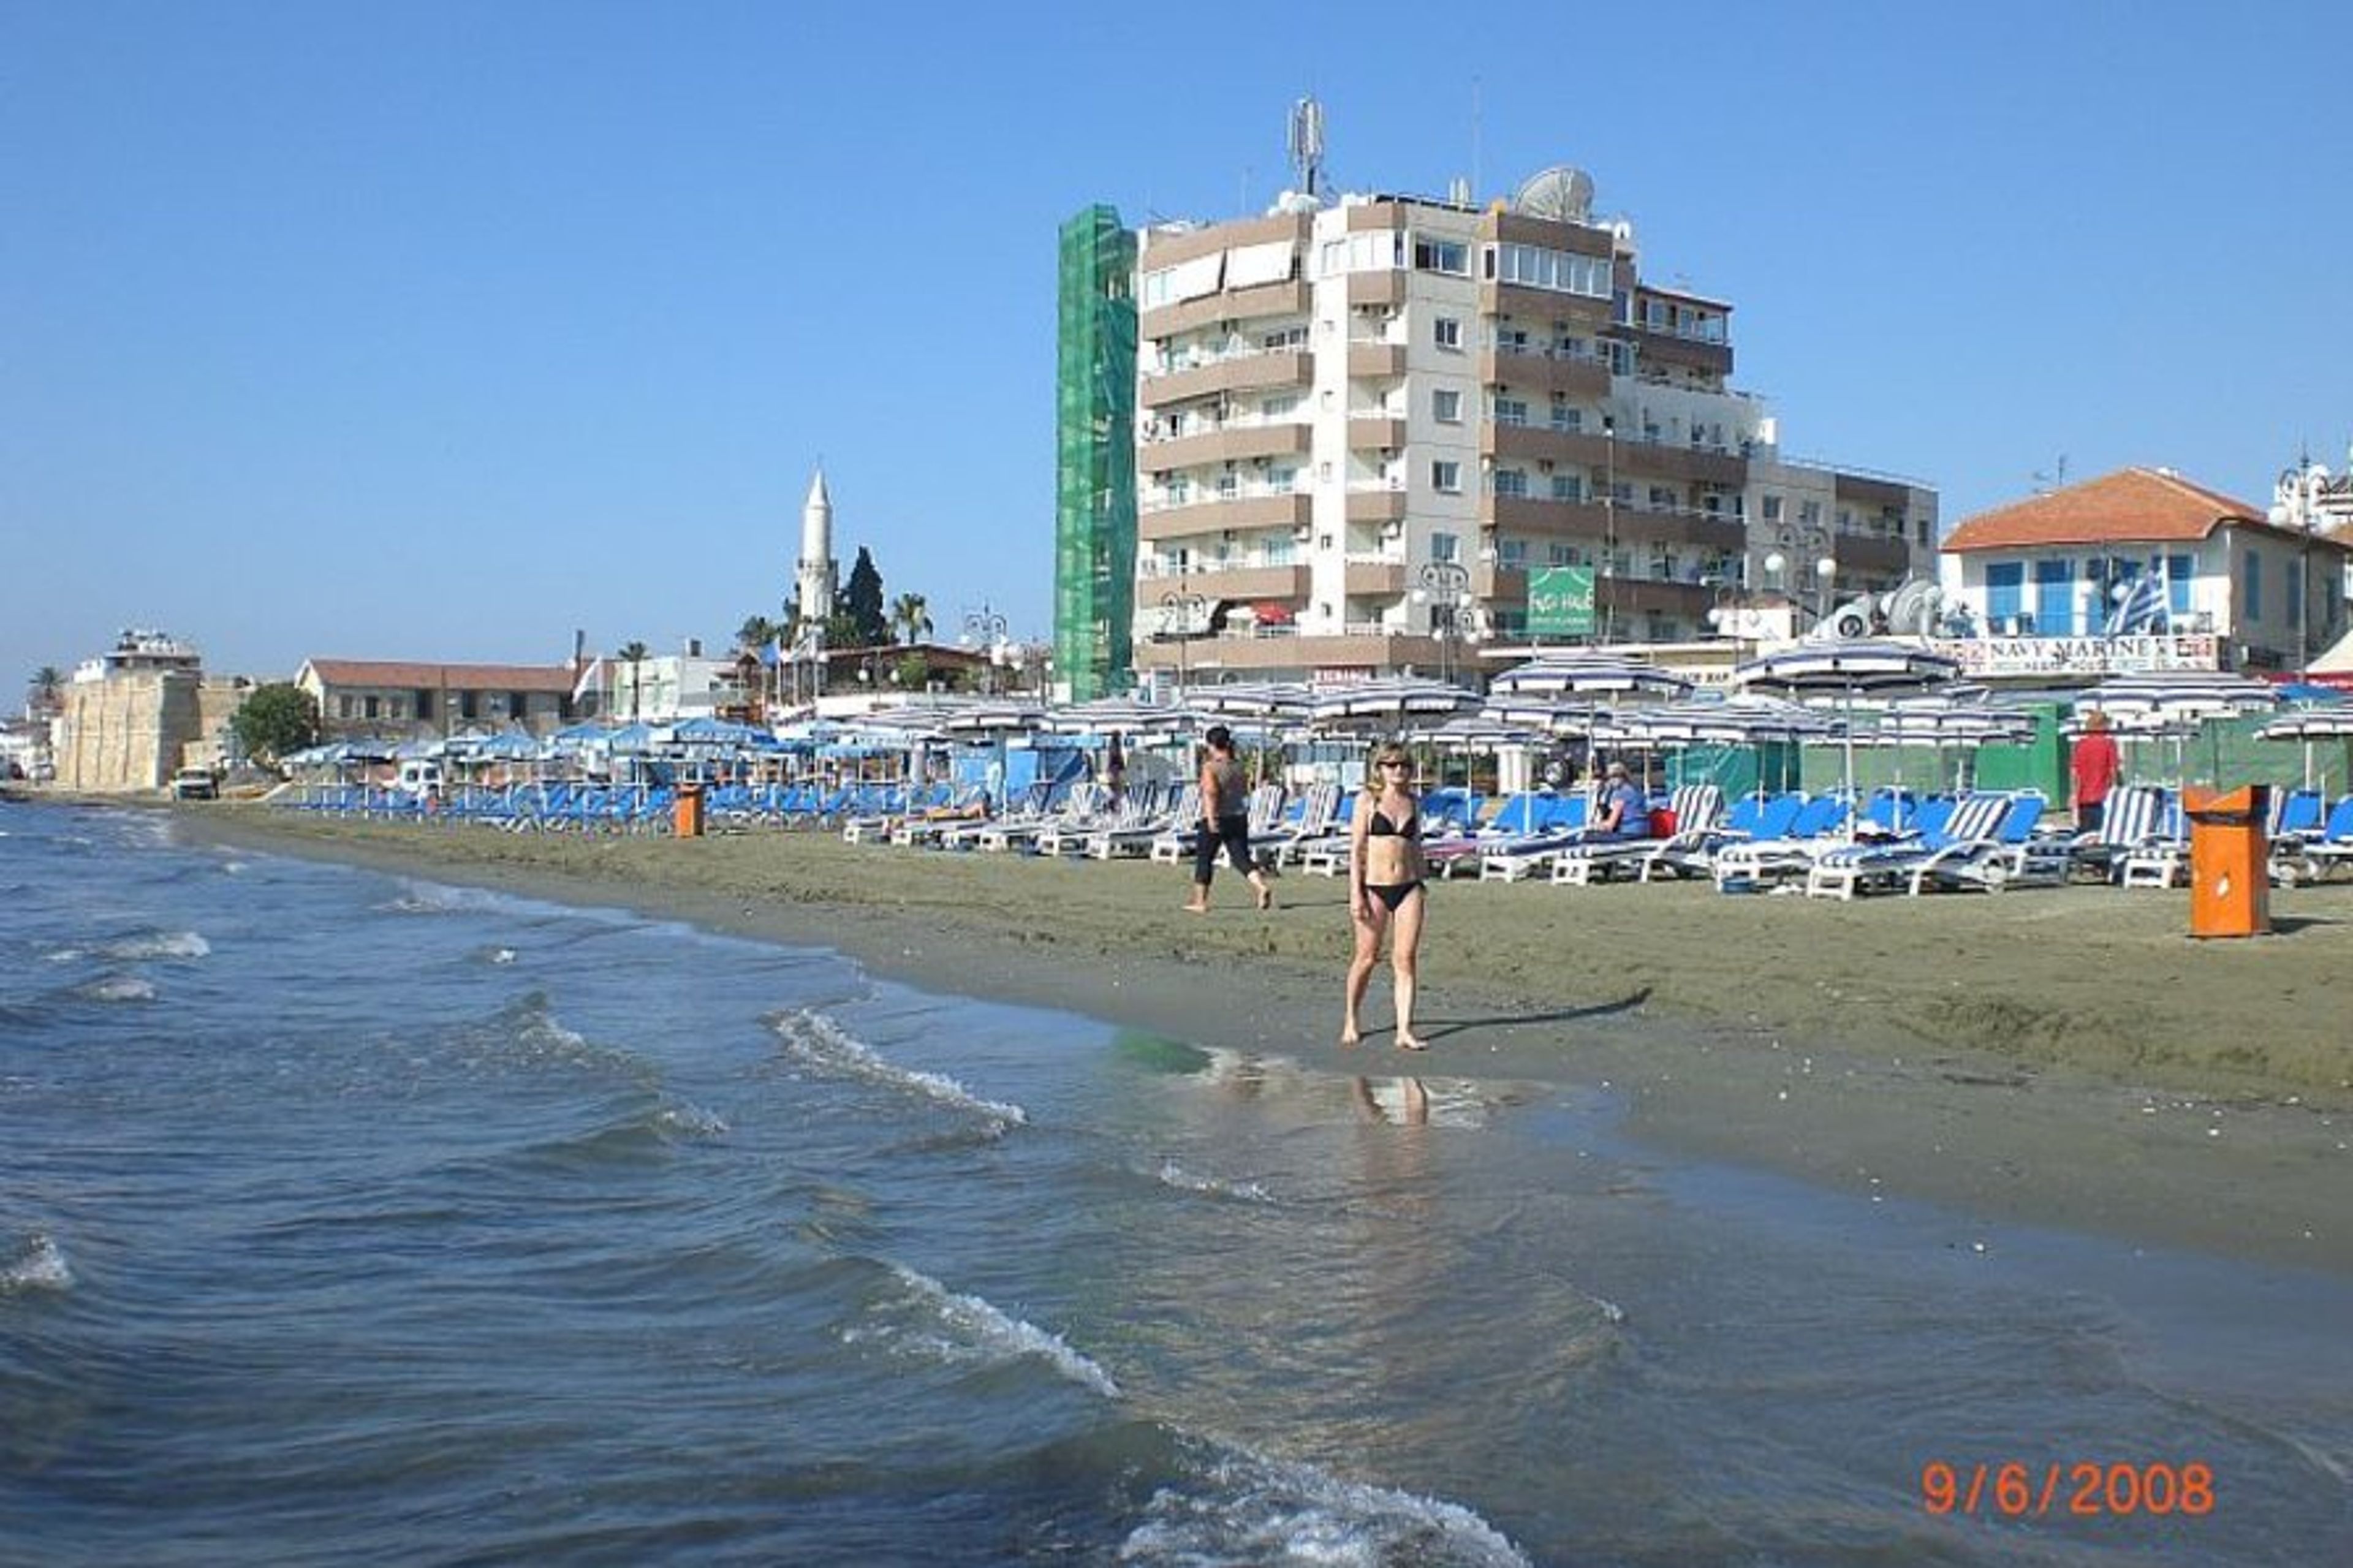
(1361, 425)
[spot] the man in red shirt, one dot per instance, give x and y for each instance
(2095, 765)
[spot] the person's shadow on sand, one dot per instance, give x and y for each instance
(1438, 1029)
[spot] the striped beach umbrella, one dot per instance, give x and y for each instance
(1589, 675)
(1846, 671)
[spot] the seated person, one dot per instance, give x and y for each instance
(1623, 812)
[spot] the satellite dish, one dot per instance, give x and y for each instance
(1562, 194)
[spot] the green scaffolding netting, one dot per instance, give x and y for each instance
(1095, 455)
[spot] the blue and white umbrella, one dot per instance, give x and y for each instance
(1589, 675)
(1388, 703)
(1846, 671)
(2307, 725)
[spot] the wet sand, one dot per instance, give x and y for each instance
(2065, 1057)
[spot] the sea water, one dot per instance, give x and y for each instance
(348, 1219)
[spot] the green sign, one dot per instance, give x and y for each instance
(1560, 602)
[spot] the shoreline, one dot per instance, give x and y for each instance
(1805, 1038)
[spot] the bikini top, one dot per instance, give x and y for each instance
(1382, 827)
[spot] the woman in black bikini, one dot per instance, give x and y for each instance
(1385, 888)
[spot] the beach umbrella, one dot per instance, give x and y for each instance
(1589, 675)
(1268, 701)
(1846, 671)
(727, 733)
(2307, 725)
(1388, 703)
(2181, 702)
(1116, 717)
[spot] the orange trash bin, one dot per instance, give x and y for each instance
(2230, 861)
(688, 816)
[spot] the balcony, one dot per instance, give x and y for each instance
(1236, 442)
(1255, 372)
(1541, 371)
(1376, 362)
(1212, 514)
(1286, 299)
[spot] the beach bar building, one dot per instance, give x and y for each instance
(2139, 571)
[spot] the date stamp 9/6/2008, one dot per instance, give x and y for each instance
(2068, 1489)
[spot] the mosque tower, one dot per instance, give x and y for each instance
(814, 579)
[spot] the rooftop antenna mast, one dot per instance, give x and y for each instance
(1307, 144)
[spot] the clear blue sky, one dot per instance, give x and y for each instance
(440, 330)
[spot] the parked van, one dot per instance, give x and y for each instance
(420, 776)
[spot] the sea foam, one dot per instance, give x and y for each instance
(817, 1040)
(38, 1265)
(1253, 1509)
(954, 1327)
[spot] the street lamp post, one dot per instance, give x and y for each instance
(1186, 608)
(1446, 589)
(1609, 525)
(984, 629)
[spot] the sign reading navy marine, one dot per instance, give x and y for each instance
(1560, 602)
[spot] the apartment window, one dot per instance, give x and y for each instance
(1431, 254)
(1809, 512)
(1276, 409)
(1662, 498)
(1567, 487)
(344, 706)
(1663, 564)
(1511, 410)
(2005, 593)
(1513, 552)
(1279, 550)
(2251, 588)
(1559, 555)
(1447, 331)
(1446, 477)
(1446, 406)
(1288, 338)
(1511, 483)
(423, 702)
(469, 703)
(1283, 481)
(1772, 509)
(2054, 599)
(2179, 570)
(1445, 546)
(371, 708)
(1180, 490)
(518, 705)
(1229, 486)
(1567, 417)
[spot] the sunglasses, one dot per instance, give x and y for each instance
(1397, 765)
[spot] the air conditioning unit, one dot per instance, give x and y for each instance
(1393, 531)
(1301, 532)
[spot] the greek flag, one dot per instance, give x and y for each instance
(2142, 609)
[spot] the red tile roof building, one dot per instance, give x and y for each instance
(2141, 569)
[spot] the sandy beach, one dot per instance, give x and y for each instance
(2065, 1057)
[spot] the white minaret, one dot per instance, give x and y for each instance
(814, 579)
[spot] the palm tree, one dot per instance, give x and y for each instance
(758, 632)
(910, 618)
(633, 654)
(46, 691)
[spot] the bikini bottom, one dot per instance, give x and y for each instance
(1394, 895)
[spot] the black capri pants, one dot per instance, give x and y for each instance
(1233, 834)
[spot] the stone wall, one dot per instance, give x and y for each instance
(127, 732)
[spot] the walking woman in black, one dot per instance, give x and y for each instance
(1224, 823)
